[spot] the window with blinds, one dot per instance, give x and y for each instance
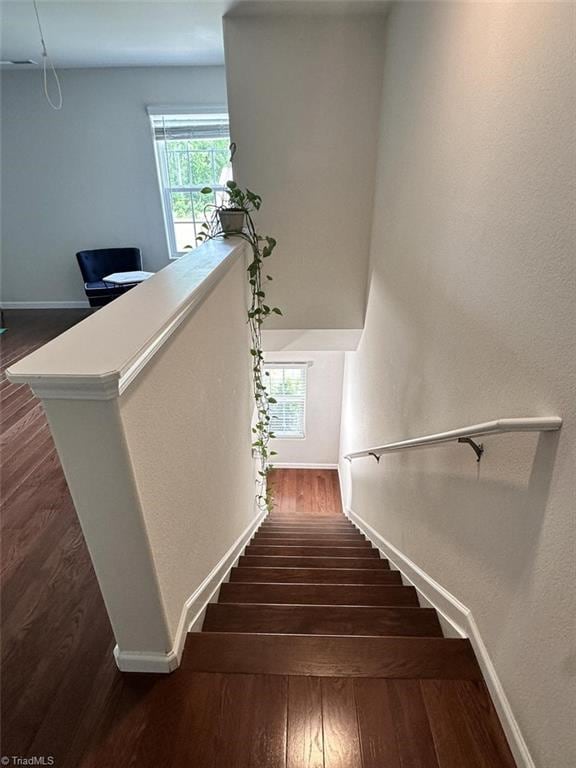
(287, 385)
(192, 152)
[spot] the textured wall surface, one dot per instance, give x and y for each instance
(197, 491)
(85, 177)
(472, 316)
(304, 95)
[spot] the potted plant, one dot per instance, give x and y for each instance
(234, 218)
(232, 214)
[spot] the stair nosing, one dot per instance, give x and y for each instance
(331, 605)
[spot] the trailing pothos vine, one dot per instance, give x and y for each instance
(233, 218)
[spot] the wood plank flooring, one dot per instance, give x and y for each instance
(305, 661)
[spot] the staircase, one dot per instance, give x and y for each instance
(333, 662)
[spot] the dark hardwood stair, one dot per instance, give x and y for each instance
(323, 620)
(365, 678)
(316, 551)
(318, 594)
(285, 561)
(271, 540)
(310, 529)
(390, 657)
(270, 575)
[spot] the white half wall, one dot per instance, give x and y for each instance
(304, 94)
(84, 177)
(471, 317)
(153, 431)
(323, 406)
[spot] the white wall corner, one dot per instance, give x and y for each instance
(311, 340)
(193, 611)
(457, 621)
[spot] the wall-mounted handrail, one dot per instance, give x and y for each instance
(464, 435)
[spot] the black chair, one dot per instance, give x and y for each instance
(95, 265)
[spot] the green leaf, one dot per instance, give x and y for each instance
(277, 311)
(206, 191)
(272, 400)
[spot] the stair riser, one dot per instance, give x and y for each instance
(346, 525)
(382, 657)
(322, 620)
(317, 594)
(281, 549)
(310, 528)
(314, 576)
(306, 518)
(280, 561)
(315, 541)
(335, 522)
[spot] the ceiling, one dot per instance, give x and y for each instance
(136, 33)
(115, 33)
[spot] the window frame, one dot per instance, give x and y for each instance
(164, 188)
(287, 398)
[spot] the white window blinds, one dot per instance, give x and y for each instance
(287, 385)
(192, 152)
(190, 126)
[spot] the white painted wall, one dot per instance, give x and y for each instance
(153, 432)
(188, 433)
(471, 316)
(84, 177)
(304, 95)
(323, 404)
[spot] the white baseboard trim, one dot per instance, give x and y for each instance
(459, 621)
(45, 305)
(192, 614)
(297, 465)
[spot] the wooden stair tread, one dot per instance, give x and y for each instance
(315, 575)
(308, 551)
(323, 620)
(306, 529)
(307, 518)
(285, 561)
(331, 656)
(308, 522)
(318, 594)
(309, 541)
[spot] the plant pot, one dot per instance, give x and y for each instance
(231, 220)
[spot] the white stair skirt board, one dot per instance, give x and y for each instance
(45, 305)
(192, 614)
(457, 621)
(283, 465)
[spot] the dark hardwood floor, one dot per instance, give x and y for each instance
(315, 656)
(309, 492)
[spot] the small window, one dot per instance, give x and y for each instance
(192, 152)
(287, 385)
